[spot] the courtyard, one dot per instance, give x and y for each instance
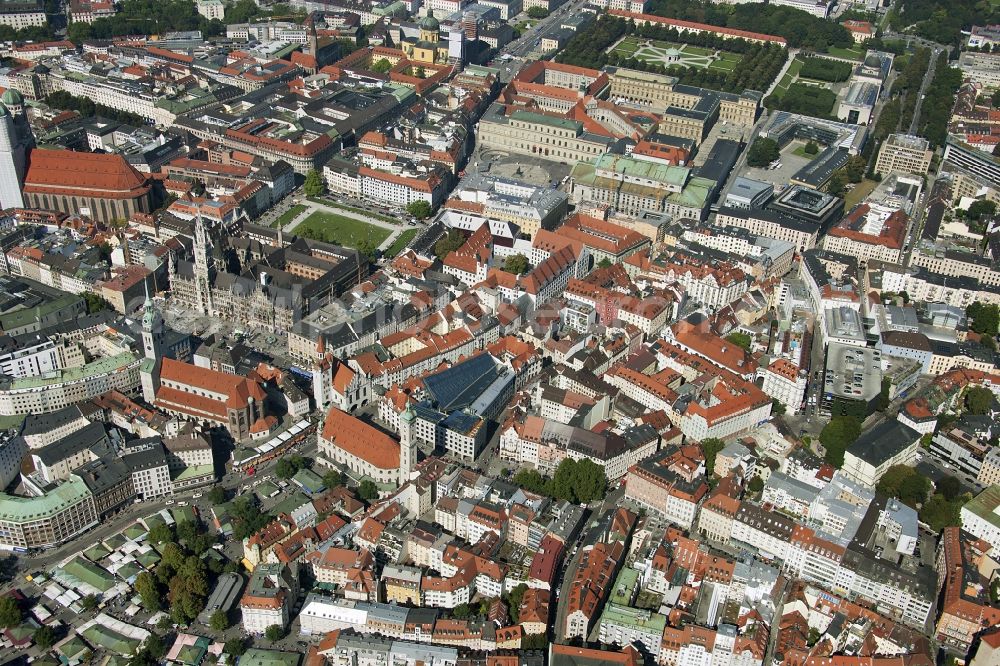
(673, 54)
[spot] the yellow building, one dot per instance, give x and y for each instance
(428, 48)
(402, 584)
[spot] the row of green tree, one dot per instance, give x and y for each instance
(86, 108)
(906, 88)
(762, 152)
(852, 172)
(800, 29)
(179, 583)
(941, 21)
(579, 481)
(935, 111)
(146, 17)
(588, 48)
(805, 99)
(842, 431)
(708, 40)
(150, 17)
(12, 615)
(34, 33)
(897, 113)
(825, 69)
(985, 318)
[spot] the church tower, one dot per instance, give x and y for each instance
(407, 444)
(322, 375)
(15, 141)
(204, 269)
(152, 330)
(152, 350)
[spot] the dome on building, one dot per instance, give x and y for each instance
(40, 69)
(873, 61)
(429, 22)
(12, 98)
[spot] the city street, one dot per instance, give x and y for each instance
(597, 524)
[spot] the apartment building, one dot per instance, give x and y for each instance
(785, 382)
(989, 471)
(904, 153)
(53, 391)
(767, 223)
(593, 581)
(981, 518)
(922, 285)
(956, 263)
(399, 189)
(671, 483)
(870, 232)
(713, 284)
(965, 608)
(876, 450)
(24, 15)
(980, 68)
(269, 597)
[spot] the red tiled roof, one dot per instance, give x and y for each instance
(239, 390)
(91, 174)
(360, 439)
(601, 235)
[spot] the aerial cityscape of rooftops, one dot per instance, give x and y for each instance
(499, 333)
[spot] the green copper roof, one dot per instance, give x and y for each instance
(26, 509)
(985, 505)
(636, 618)
(661, 173)
(99, 367)
(542, 119)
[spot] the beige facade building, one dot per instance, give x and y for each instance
(955, 263)
(525, 132)
(762, 222)
(633, 187)
(715, 520)
(904, 153)
(701, 107)
(965, 185)
(62, 388)
(989, 473)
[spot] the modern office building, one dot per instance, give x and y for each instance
(905, 153)
(58, 515)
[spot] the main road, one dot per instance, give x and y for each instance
(114, 524)
(928, 75)
(529, 40)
